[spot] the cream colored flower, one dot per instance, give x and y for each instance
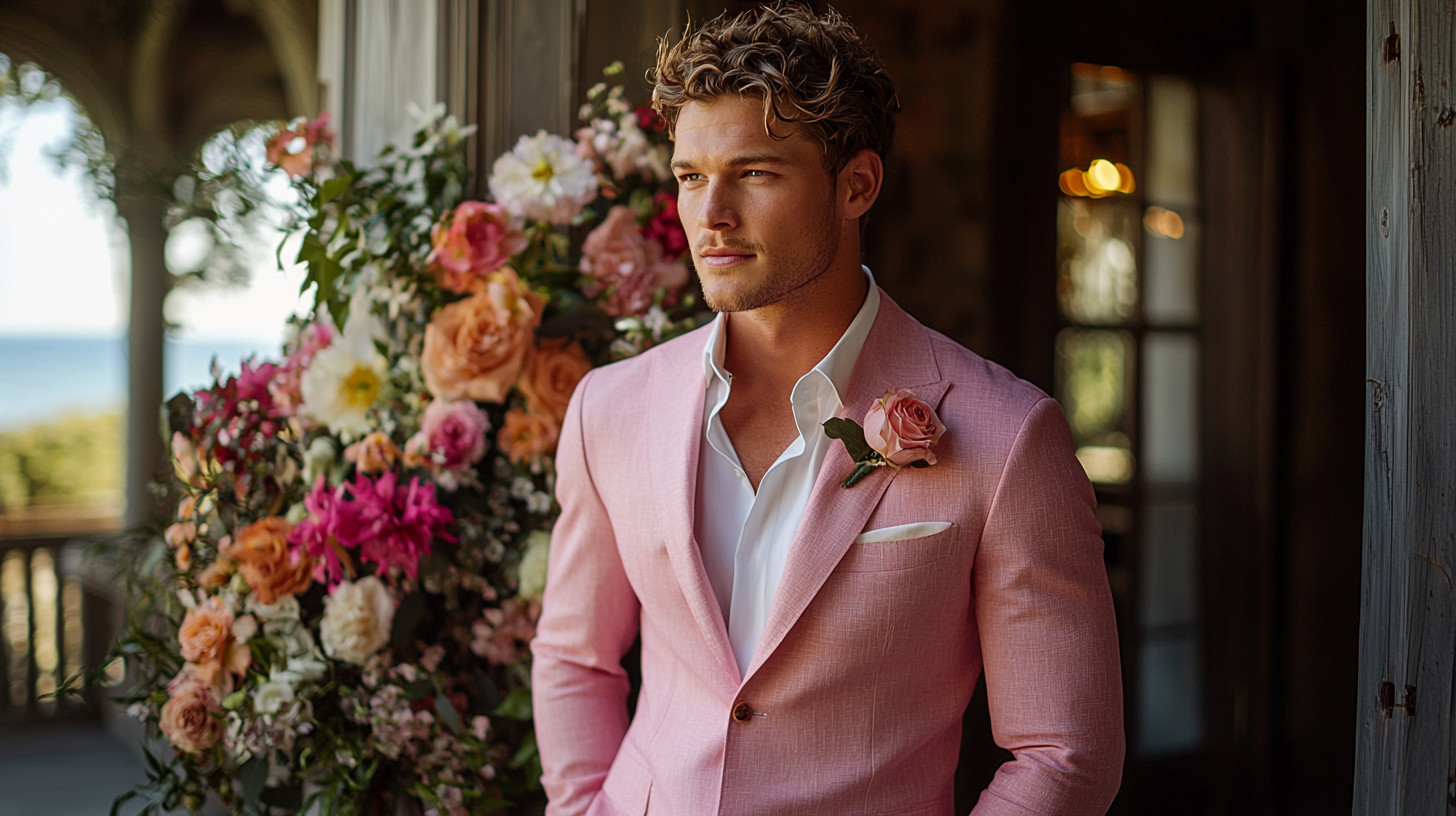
(269, 697)
(343, 381)
(542, 178)
(357, 620)
(531, 575)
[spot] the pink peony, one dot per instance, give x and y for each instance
(625, 266)
(293, 148)
(477, 238)
(902, 428)
(451, 437)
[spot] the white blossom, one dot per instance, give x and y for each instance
(543, 179)
(357, 620)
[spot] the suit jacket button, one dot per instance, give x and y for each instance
(743, 712)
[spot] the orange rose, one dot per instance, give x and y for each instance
(262, 553)
(217, 573)
(475, 348)
(527, 435)
(552, 376)
(375, 453)
(207, 641)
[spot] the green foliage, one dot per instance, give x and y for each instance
(74, 460)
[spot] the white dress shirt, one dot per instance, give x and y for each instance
(744, 538)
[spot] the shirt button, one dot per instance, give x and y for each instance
(739, 472)
(743, 712)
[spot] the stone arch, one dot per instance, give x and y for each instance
(26, 39)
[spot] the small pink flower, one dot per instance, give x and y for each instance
(287, 378)
(293, 148)
(451, 437)
(902, 428)
(476, 239)
(626, 268)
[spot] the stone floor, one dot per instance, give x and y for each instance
(70, 768)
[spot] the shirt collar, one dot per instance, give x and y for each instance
(837, 366)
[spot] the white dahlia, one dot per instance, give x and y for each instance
(343, 381)
(543, 179)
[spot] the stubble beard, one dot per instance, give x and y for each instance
(810, 256)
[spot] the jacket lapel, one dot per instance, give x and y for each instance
(677, 421)
(896, 354)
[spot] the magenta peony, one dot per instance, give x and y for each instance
(666, 227)
(477, 238)
(451, 437)
(625, 268)
(333, 524)
(388, 524)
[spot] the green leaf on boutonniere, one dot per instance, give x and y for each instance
(852, 435)
(866, 458)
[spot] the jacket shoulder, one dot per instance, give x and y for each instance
(978, 383)
(625, 382)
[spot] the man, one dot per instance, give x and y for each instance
(809, 648)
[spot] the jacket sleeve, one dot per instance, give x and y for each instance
(589, 619)
(1048, 633)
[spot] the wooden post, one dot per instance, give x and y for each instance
(1408, 604)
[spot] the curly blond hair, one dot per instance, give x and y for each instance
(810, 70)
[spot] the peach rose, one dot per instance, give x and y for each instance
(552, 375)
(475, 348)
(217, 573)
(207, 641)
(526, 435)
(262, 553)
(192, 716)
(375, 453)
(903, 429)
(476, 239)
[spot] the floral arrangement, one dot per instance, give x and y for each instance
(339, 613)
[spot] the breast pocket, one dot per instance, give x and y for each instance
(902, 554)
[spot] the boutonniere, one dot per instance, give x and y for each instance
(899, 431)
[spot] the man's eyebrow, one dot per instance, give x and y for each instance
(738, 161)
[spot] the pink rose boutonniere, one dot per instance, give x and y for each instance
(900, 430)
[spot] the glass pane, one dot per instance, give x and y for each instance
(1097, 259)
(1170, 407)
(1093, 382)
(1169, 710)
(1169, 592)
(1170, 267)
(1172, 117)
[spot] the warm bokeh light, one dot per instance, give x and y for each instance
(1102, 178)
(1163, 222)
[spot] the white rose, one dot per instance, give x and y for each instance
(531, 575)
(269, 697)
(285, 607)
(357, 620)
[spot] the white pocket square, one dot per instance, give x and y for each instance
(902, 532)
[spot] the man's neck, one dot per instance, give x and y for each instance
(774, 346)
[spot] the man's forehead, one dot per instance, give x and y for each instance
(734, 126)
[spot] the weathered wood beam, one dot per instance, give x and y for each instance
(1408, 604)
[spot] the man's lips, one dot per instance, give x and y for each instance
(720, 258)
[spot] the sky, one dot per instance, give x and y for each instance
(63, 254)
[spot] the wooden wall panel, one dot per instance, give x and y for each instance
(1408, 614)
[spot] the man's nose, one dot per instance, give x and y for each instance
(717, 213)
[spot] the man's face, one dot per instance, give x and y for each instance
(760, 213)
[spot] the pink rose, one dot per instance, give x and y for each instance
(192, 716)
(451, 437)
(292, 148)
(476, 239)
(903, 429)
(626, 266)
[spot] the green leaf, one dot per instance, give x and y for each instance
(850, 432)
(252, 777)
(232, 701)
(332, 189)
(526, 752)
(447, 712)
(516, 706)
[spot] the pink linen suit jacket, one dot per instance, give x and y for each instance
(871, 650)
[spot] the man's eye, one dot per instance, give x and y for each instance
(686, 177)
(756, 173)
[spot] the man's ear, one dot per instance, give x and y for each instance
(859, 182)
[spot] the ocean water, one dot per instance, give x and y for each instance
(46, 377)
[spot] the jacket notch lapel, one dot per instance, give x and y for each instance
(677, 416)
(896, 354)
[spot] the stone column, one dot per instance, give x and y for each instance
(146, 454)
